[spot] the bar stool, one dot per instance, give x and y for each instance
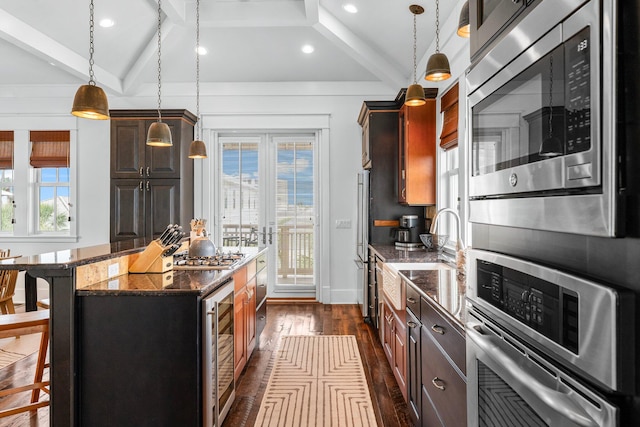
(31, 322)
(7, 290)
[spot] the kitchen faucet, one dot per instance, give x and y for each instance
(460, 247)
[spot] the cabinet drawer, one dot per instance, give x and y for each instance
(413, 300)
(444, 386)
(261, 288)
(449, 338)
(251, 269)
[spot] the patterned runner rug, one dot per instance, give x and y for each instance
(317, 381)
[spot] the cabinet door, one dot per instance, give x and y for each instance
(417, 155)
(162, 205)
(251, 316)
(164, 162)
(400, 354)
(127, 209)
(127, 149)
(366, 159)
(413, 369)
(386, 328)
(240, 335)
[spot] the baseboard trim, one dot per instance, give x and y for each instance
(306, 300)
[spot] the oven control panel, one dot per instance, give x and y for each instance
(545, 307)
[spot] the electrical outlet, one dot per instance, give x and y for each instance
(114, 270)
(343, 223)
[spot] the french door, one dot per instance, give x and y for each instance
(267, 197)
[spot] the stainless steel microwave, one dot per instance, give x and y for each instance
(542, 114)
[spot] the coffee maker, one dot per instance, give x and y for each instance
(409, 232)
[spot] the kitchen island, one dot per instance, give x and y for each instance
(123, 346)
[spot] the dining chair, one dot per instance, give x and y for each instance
(26, 323)
(7, 290)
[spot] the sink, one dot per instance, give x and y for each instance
(397, 266)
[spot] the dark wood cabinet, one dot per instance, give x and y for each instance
(489, 19)
(163, 175)
(417, 155)
(143, 207)
(436, 365)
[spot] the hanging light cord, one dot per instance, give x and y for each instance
(437, 26)
(159, 62)
(199, 124)
(415, 81)
(92, 81)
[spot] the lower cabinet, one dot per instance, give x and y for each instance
(394, 336)
(436, 366)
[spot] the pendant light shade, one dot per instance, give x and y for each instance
(415, 96)
(90, 101)
(438, 68)
(197, 148)
(159, 134)
(464, 29)
(415, 93)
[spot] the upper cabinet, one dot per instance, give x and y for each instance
(379, 127)
(489, 19)
(417, 154)
(131, 157)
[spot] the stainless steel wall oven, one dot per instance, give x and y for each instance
(543, 115)
(217, 342)
(544, 347)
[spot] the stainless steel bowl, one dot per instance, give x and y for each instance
(434, 242)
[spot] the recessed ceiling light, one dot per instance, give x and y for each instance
(350, 8)
(307, 48)
(201, 50)
(107, 23)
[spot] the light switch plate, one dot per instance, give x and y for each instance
(343, 223)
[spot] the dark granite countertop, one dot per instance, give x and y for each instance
(445, 288)
(201, 282)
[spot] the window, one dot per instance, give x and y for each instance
(50, 158)
(7, 202)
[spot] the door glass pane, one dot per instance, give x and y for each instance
(295, 207)
(240, 202)
(6, 200)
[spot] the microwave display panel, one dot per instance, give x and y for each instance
(541, 113)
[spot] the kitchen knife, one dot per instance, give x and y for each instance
(170, 250)
(165, 232)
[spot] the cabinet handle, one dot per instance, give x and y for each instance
(148, 186)
(404, 193)
(411, 300)
(141, 171)
(148, 170)
(372, 307)
(438, 329)
(211, 313)
(262, 285)
(438, 383)
(140, 186)
(412, 324)
(262, 317)
(388, 318)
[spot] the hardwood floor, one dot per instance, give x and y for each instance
(318, 319)
(282, 319)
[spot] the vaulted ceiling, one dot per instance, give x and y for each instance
(248, 41)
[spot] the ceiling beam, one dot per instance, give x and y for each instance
(356, 48)
(38, 44)
(149, 54)
(254, 14)
(311, 10)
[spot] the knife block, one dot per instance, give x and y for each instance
(151, 260)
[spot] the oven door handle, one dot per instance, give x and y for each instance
(558, 401)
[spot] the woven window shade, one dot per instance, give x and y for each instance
(449, 107)
(49, 148)
(6, 149)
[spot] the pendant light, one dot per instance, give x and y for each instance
(159, 134)
(90, 101)
(438, 65)
(415, 92)
(197, 148)
(464, 29)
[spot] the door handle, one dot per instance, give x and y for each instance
(270, 235)
(264, 235)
